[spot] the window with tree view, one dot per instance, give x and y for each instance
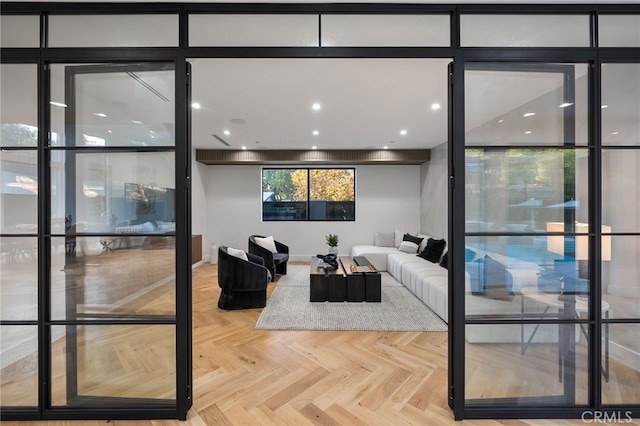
(309, 194)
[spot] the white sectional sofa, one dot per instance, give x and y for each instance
(429, 282)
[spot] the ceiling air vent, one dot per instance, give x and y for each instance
(222, 141)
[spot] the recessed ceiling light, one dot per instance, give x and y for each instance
(58, 104)
(226, 132)
(385, 147)
(316, 106)
(136, 122)
(109, 131)
(316, 133)
(403, 132)
(604, 106)
(244, 147)
(500, 121)
(195, 105)
(314, 147)
(528, 132)
(435, 106)
(100, 114)
(528, 114)
(615, 133)
(566, 104)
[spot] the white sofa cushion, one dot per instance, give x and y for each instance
(413, 274)
(397, 260)
(377, 256)
(436, 290)
(383, 239)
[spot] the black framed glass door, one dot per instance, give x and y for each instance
(528, 236)
(111, 315)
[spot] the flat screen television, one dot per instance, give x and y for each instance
(150, 202)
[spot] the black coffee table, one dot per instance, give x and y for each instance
(343, 284)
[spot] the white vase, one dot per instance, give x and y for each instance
(333, 250)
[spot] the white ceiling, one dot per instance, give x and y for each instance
(366, 103)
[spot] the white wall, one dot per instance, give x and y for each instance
(387, 197)
(434, 217)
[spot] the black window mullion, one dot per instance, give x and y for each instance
(309, 195)
(595, 249)
(44, 240)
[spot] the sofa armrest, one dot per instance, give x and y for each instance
(255, 258)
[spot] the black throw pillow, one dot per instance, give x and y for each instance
(445, 261)
(433, 251)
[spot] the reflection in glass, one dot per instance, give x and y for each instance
(522, 190)
(520, 105)
(506, 274)
(113, 277)
(19, 192)
(620, 194)
(18, 104)
(19, 363)
(113, 30)
(19, 31)
(114, 193)
(19, 279)
(619, 30)
(120, 361)
(390, 30)
(624, 371)
(500, 365)
(524, 30)
(620, 276)
(253, 30)
(620, 104)
(123, 105)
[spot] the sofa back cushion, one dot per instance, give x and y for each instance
(383, 239)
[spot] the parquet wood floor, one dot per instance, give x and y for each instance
(247, 377)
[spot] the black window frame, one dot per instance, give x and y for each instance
(308, 218)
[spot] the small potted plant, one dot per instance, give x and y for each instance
(332, 242)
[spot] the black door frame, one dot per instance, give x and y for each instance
(44, 56)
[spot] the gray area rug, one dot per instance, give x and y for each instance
(289, 308)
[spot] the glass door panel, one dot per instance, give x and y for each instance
(621, 216)
(526, 234)
(112, 321)
(19, 254)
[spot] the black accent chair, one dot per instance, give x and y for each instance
(243, 283)
(275, 262)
